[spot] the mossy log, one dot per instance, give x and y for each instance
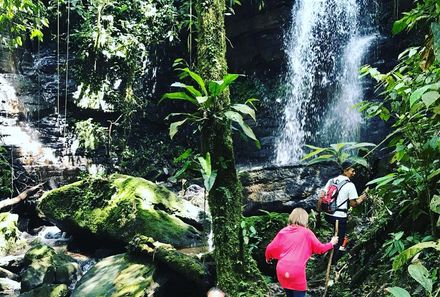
(189, 267)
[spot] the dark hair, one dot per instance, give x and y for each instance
(347, 164)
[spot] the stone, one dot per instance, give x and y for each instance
(281, 189)
(48, 291)
(45, 267)
(120, 207)
(8, 286)
(118, 275)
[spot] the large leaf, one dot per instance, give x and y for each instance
(227, 80)
(243, 108)
(417, 94)
(313, 153)
(359, 160)
(179, 96)
(430, 97)
(236, 117)
(174, 127)
(197, 79)
(398, 292)
(380, 180)
(194, 92)
(436, 34)
(323, 158)
(361, 145)
(409, 253)
(214, 88)
(421, 275)
(205, 163)
(399, 26)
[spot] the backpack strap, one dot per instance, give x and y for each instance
(340, 185)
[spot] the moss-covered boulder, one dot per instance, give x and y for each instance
(119, 275)
(45, 266)
(48, 291)
(9, 234)
(120, 207)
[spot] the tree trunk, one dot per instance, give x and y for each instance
(236, 270)
(22, 196)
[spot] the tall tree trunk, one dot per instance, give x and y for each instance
(236, 270)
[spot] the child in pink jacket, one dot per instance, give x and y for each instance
(292, 247)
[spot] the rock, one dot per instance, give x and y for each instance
(47, 267)
(119, 275)
(188, 267)
(8, 286)
(12, 263)
(48, 291)
(120, 207)
(9, 234)
(280, 189)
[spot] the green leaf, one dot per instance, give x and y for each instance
(179, 96)
(379, 180)
(359, 160)
(214, 88)
(361, 145)
(399, 26)
(409, 253)
(430, 97)
(174, 127)
(435, 28)
(243, 108)
(398, 292)
(194, 92)
(202, 99)
(205, 163)
(323, 158)
(313, 153)
(36, 33)
(417, 94)
(197, 79)
(183, 156)
(236, 117)
(227, 80)
(421, 275)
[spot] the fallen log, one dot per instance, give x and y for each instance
(22, 196)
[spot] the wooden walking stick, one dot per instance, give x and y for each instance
(327, 274)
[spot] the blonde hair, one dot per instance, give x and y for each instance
(299, 216)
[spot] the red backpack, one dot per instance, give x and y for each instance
(327, 202)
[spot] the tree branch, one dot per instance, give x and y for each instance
(22, 196)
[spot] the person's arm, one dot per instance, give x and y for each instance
(273, 250)
(357, 201)
(320, 248)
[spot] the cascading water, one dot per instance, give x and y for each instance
(325, 46)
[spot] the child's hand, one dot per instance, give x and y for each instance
(334, 240)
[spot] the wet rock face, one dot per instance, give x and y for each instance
(281, 189)
(120, 207)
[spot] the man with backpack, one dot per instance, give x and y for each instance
(340, 193)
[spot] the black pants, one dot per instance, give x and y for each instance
(293, 293)
(342, 230)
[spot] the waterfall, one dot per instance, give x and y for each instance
(325, 46)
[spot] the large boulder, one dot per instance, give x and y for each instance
(120, 207)
(46, 267)
(119, 275)
(48, 291)
(280, 189)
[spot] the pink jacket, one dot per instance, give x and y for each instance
(292, 247)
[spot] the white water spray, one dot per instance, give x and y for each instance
(325, 48)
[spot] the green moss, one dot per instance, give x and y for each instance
(45, 266)
(116, 276)
(9, 234)
(119, 207)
